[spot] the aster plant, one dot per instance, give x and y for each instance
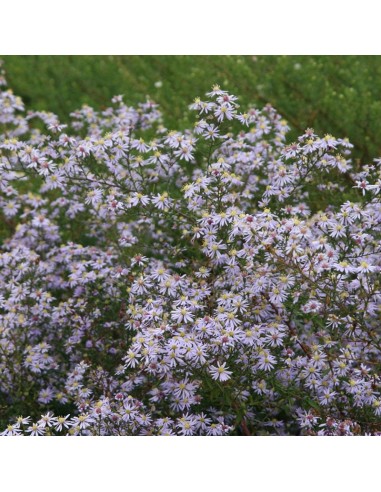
(212, 281)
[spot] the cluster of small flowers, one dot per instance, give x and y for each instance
(183, 284)
(121, 415)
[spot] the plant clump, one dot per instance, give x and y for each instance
(212, 281)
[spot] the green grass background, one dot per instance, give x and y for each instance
(333, 94)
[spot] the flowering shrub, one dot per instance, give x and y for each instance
(159, 282)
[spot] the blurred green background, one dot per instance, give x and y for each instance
(333, 94)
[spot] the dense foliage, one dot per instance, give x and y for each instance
(183, 282)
